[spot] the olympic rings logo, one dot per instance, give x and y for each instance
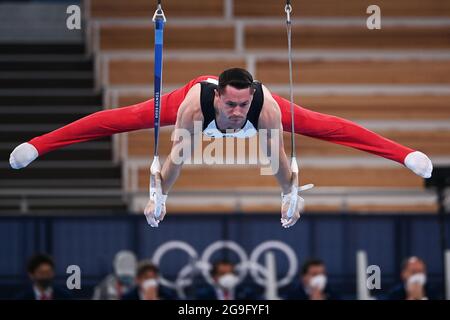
(247, 264)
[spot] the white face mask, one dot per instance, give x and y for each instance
(318, 282)
(150, 283)
(228, 281)
(418, 278)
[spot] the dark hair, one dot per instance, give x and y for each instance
(37, 260)
(310, 263)
(145, 267)
(237, 78)
(216, 265)
(406, 261)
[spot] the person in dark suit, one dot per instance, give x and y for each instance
(116, 284)
(225, 285)
(414, 282)
(313, 283)
(148, 286)
(41, 270)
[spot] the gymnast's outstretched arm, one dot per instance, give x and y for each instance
(182, 147)
(285, 172)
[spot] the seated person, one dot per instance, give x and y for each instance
(414, 282)
(115, 285)
(148, 286)
(41, 270)
(313, 283)
(226, 286)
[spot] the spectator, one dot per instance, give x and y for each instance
(41, 270)
(115, 285)
(414, 282)
(148, 286)
(313, 283)
(225, 285)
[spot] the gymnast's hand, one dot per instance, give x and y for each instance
(292, 204)
(156, 206)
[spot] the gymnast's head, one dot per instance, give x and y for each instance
(234, 94)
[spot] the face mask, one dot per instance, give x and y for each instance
(228, 281)
(126, 280)
(418, 278)
(150, 283)
(319, 282)
(44, 282)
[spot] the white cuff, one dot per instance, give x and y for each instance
(163, 198)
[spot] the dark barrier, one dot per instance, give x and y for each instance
(91, 242)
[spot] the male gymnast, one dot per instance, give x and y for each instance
(231, 105)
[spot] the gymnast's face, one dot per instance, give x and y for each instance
(233, 105)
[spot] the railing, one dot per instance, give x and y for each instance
(339, 196)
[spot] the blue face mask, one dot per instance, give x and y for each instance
(126, 280)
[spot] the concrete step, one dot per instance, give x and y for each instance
(65, 204)
(61, 183)
(38, 118)
(49, 97)
(69, 49)
(45, 62)
(55, 110)
(46, 79)
(78, 171)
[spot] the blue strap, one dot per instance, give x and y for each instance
(159, 31)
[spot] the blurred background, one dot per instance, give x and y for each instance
(82, 205)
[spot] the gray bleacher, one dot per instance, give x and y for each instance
(46, 81)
